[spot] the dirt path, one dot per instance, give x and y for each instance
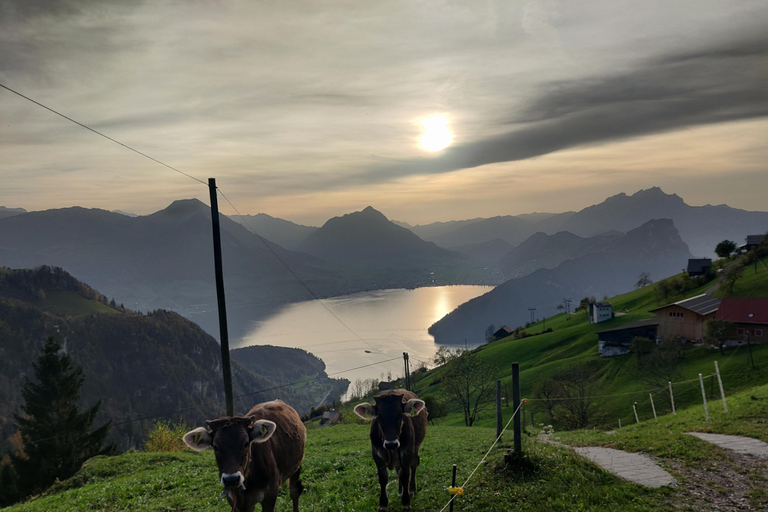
(740, 482)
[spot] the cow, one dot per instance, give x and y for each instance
(398, 426)
(255, 454)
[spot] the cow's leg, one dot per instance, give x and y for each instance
(404, 483)
(269, 501)
(414, 464)
(383, 473)
(296, 488)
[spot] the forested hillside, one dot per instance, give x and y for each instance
(143, 367)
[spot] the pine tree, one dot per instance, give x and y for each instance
(56, 435)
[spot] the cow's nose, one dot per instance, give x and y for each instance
(231, 480)
(392, 445)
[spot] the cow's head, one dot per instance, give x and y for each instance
(230, 439)
(390, 411)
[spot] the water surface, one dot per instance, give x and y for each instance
(353, 331)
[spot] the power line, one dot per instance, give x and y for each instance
(126, 146)
(306, 287)
(207, 404)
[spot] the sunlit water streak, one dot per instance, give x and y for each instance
(365, 328)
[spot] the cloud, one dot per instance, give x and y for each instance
(662, 94)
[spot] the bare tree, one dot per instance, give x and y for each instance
(717, 333)
(470, 382)
(644, 280)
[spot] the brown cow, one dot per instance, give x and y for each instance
(398, 426)
(255, 453)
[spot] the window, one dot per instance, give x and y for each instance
(757, 332)
(740, 331)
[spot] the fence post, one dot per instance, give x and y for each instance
(453, 484)
(634, 407)
(722, 392)
(704, 397)
(652, 406)
(619, 423)
(672, 398)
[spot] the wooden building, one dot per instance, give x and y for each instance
(686, 319)
(698, 267)
(617, 341)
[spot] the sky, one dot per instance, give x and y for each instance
(310, 110)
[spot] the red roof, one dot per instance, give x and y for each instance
(743, 310)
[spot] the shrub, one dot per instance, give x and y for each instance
(166, 436)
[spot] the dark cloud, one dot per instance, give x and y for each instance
(663, 94)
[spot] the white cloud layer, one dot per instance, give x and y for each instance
(306, 110)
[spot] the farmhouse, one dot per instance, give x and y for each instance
(698, 267)
(749, 316)
(600, 312)
(686, 319)
(617, 341)
(503, 332)
(751, 243)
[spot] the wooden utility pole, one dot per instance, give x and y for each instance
(407, 372)
(226, 368)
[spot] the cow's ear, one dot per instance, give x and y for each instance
(363, 409)
(261, 430)
(413, 406)
(199, 439)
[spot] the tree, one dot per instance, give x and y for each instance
(644, 280)
(568, 398)
(489, 333)
(469, 381)
(717, 333)
(57, 437)
(659, 362)
(725, 248)
(732, 274)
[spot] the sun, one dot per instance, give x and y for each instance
(436, 135)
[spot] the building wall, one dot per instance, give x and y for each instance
(758, 333)
(681, 322)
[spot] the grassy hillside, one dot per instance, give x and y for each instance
(618, 382)
(339, 473)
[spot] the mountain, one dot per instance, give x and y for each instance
(142, 366)
(549, 251)
(655, 247)
(10, 212)
(282, 232)
(368, 239)
(165, 261)
(701, 227)
(507, 228)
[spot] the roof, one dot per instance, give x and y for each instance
(602, 304)
(743, 310)
(701, 304)
(698, 265)
(503, 329)
(633, 325)
(754, 239)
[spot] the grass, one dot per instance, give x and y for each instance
(618, 381)
(68, 303)
(339, 474)
(747, 416)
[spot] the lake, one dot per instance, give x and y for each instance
(353, 331)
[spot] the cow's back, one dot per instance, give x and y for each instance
(287, 443)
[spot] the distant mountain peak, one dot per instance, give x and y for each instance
(655, 193)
